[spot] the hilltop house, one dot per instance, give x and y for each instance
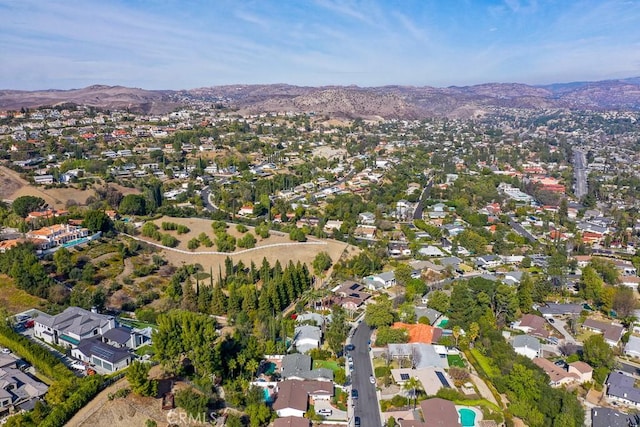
(57, 235)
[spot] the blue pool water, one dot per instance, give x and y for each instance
(467, 417)
(267, 396)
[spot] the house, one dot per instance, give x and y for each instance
(380, 281)
(366, 218)
(108, 357)
(606, 417)
(532, 324)
(43, 179)
(612, 333)
(488, 261)
(291, 422)
(298, 367)
(553, 309)
(432, 379)
(18, 390)
(292, 399)
(630, 281)
(429, 313)
(526, 345)
(121, 337)
(431, 251)
(365, 231)
(513, 278)
(307, 337)
(71, 326)
(558, 375)
(419, 333)
(438, 412)
(57, 234)
(621, 388)
(632, 348)
(582, 370)
(419, 355)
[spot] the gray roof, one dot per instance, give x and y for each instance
(294, 364)
(94, 347)
(75, 320)
(528, 341)
(119, 335)
(622, 386)
(424, 355)
(429, 313)
(452, 260)
(633, 345)
(558, 309)
(25, 387)
(605, 417)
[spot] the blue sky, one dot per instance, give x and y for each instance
(183, 44)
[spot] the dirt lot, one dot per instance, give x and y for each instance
(293, 252)
(131, 411)
(16, 300)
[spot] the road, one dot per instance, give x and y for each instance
(426, 193)
(580, 173)
(520, 230)
(366, 406)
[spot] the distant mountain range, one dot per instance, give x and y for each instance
(404, 102)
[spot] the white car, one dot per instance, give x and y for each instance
(372, 379)
(5, 351)
(324, 411)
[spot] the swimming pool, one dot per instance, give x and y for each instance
(467, 417)
(267, 395)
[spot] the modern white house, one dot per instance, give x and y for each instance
(307, 337)
(71, 326)
(108, 357)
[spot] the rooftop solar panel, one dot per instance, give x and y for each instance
(442, 379)
(404, 377)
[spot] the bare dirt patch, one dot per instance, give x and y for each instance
(284, 254)
(10, 182)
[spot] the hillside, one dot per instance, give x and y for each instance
(402, 102)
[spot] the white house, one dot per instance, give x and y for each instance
(71, 326)
(108, 357)
(527, 346)
(632, 349)
(307, 337)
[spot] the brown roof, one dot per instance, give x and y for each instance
(291, 394)
(609, 331)
(439, 413)
(556, 373)
(411, 423)
(536, 323)
(291, 422)
(315, 387)
(582, 367)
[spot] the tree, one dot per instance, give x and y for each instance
(62, 258)
(597, 353)
(591, 284)
(624, 302)
(380, 313)
(133, 204)
(456, 333)
(138, 377)
(474, 330)
(525, 294)
(438, 300)
(321, 262)
(338, 328)
(96, 220)
(413, 385)
(23, 205)
(296, 234)
(402, 274)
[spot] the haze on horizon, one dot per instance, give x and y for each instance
(182, 44)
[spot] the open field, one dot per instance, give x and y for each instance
(304, 253)
(16, 300)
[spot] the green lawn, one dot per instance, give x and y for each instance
(329, 364)
(145, 349)
(455, 360)
(485, 363)
(136, 323)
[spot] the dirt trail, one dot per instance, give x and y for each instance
(128, 270)
(96, 403)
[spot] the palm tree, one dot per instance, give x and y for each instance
(252, 367)
(414, 385)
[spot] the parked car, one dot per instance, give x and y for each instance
(356, 422)
(349, 347)
(354, 394)
(372, 379)
(324, 411)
